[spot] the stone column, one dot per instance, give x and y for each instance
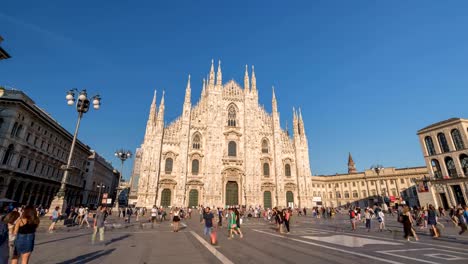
(463, 189)
(443, 168)
(458, 166)
(451, 199)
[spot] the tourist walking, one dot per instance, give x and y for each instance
(286, 217)
(81, 212)
(407, 220)
(55, 217)
(85, 217)
(231, 223)
(154, 214)
(432, 221)
(9, 221)
(238, 222)
(25, 232)
(208, 220)
(367, 216)
(175, 220)
(461, 220)
(352, 218)
(381, 219)
(129, 214)
(220, 217)
(99, 224)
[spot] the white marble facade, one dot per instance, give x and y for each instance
(225, 150)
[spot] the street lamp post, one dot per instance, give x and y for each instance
(378, 169)
(82, 106)
(123, 155)
(100, 186)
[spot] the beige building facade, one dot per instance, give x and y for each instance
(224, 150)
(101, 178)
(391, 185)
(445, 149)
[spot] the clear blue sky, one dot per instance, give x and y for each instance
(367, 74)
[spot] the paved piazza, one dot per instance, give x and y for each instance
(310, 241)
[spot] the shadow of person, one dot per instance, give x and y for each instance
(86, 258)
(117, 239)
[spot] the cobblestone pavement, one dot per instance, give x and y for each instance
(310, 241)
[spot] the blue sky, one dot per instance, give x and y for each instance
(367, 74)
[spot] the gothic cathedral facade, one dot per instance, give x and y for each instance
(226, 150)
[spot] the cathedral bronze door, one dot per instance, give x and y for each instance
(193, 198)
(289, 198)
(166, 198)
(267, 199)
(232, 193)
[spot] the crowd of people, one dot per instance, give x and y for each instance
(411, 218)
(18, 225)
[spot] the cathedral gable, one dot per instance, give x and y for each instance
(233, 92)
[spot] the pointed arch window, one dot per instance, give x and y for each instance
(195, 167)
(451, 167)
(168, 165)
(265, 146)
(287, 170)
(266, 169)
(443, 142)
(457, 139)
(232, 149)
(232, 116)
(196, 143)
(429, 146)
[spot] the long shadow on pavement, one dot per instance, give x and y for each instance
(65, 238)
(86, 258)
(117, 239)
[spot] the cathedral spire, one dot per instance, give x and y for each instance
(161, 108)
(188, 92)
(212, 75)
(219, 75)
(274, 104)
(300, 116)
(246, 79)
(301, 123)
(295, 123)
(204, 85)
(351, 165)
(152, 114)
(254, 80)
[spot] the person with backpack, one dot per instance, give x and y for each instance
(352, 218)
(461, 221)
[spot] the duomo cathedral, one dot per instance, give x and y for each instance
(224, 150)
